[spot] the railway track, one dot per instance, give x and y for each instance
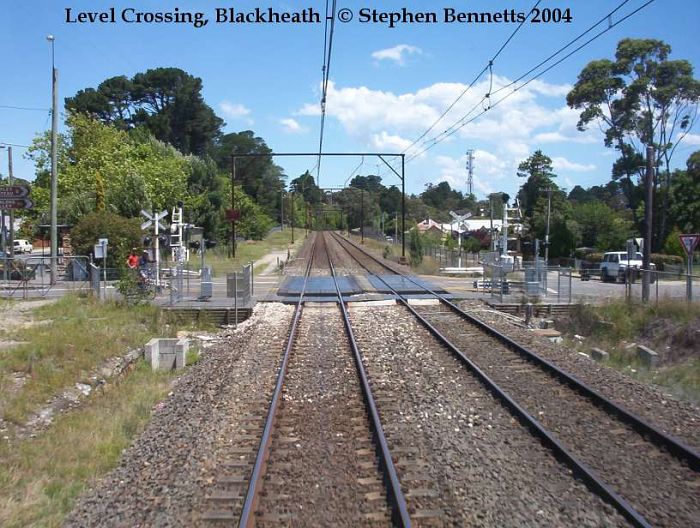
(650, 477)
(316, 460)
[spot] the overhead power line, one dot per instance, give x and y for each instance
(327, 55)
(489, 66)
(465, 120)
(30, 109)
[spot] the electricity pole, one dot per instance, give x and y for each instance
(54, 165)
(11, 248)
(546, 236)
(282, 209)
(646, 255)
(292, 217)
(362, 215)
(12, 211)
(233, 207)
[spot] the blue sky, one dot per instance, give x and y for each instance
(387, 86)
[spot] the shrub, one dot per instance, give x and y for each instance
(123, 235)
(662, 260)
(673, 246)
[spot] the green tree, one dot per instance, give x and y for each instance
(441, 196)
(123, 234)
(685, 196)
(642, 98)
(254, 222)
(415, 246)
(390, 200)
(205, 197)
(369, 183)
(260, 178)
(102, 164)
(539, 173)
(600, 227)
(166, 101)
(305, 185)
(673, 245)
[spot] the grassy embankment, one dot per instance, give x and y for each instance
(252, 251)
(41, 477)
(671, 328)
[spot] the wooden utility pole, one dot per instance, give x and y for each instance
(54, 165)
(12, 211)
(546, 236)
(648, 202)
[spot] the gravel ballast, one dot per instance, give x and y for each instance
(658, 485)
(478, 466)
(164, 477)
(676, 417)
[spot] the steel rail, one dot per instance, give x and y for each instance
(675, 446)
(248, 513)
(562, 453)
(400, 515)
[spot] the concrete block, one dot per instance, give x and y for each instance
(599, 354)
(151, 349)
(166, 354)
(647, 356)
(181, 348)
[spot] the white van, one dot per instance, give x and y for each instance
(23, 246)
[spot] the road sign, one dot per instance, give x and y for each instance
(16, 203)
(689, 243)
(233, 215)
(13, 191)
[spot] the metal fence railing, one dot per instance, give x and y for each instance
(32, 277)
(662, 285)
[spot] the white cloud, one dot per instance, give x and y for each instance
(384, 141)
(235, 111)
(397, 53)
(292, 126)
(506, 134)
(561, 163)
(691, 139)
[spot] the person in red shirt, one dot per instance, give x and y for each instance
(132, 260)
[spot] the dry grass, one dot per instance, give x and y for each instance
(70, 339)
(670, 328)
(41, 478)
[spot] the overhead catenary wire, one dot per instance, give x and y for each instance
(464, 120)
(489, 66)
(27, 108)
(359, 166)
(327, 55)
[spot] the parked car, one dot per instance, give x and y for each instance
(23, 246)
(616, 266)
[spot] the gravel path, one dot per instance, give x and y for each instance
(164, 477)
(467, 462)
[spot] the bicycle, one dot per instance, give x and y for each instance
(136, 289)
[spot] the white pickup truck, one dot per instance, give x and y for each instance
(615, 267)
(22, 246)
